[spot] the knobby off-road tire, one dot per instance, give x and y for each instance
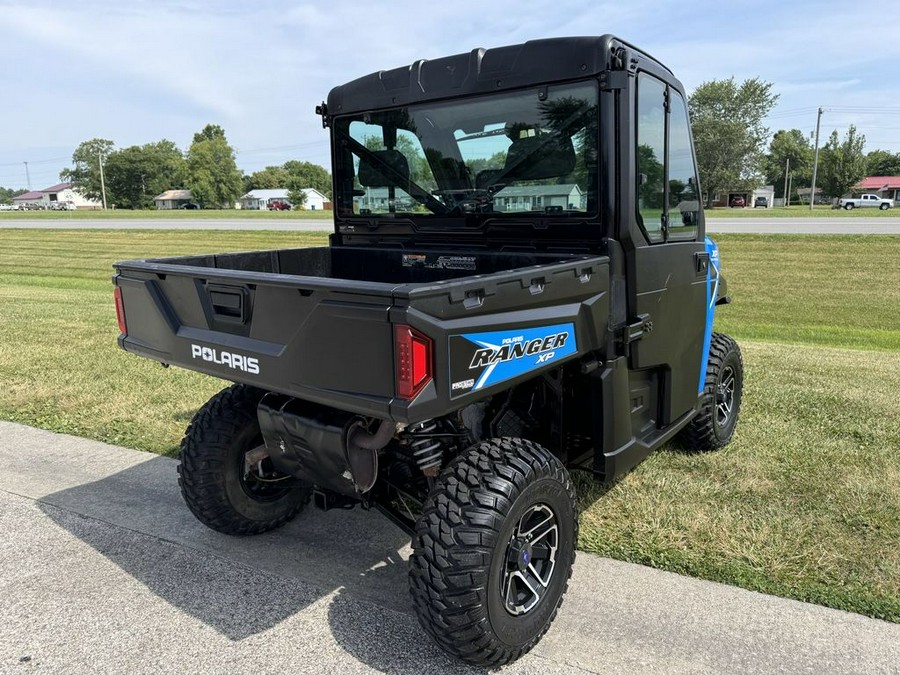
(470, 546)
(714, 424)
(212, 473)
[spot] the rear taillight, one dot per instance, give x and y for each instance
(120, 311)
(414, 361)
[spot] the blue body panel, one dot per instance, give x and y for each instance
(712, 294)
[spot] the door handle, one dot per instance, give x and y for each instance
(701, 263)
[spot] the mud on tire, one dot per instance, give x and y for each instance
(212, 475)
(472, 540)
(713, 426)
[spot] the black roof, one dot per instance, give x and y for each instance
(477, 71)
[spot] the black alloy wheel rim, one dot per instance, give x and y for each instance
(530, 560)
(725, 397)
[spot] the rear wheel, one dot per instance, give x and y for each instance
(226, 477)
(714, 424)
(493, 551)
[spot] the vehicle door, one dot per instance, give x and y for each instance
(670, 262)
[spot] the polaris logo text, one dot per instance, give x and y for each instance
(248, 364)
(517, 348)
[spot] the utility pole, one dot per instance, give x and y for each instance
(102, 182)
(812, 190)
(787, 168)
(27, 176)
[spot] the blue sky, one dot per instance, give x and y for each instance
(136, 71)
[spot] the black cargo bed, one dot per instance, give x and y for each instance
(317, 323)
(368, 264)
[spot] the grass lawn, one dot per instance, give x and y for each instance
(801, 212)
(178, 214)
(805, 503)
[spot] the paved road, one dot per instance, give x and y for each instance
(714, 225)
(103, 569)
(312, 225)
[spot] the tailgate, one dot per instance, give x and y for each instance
(325, 340)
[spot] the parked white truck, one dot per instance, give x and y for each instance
(864, 201)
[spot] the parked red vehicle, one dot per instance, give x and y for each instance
(737, 201)
(279, 206)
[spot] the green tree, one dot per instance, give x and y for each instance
(419, 167)
(212, 173)
(495, 162)
(211, 132)
(842, 164)
(270, 178)
(85, 172)
(787, 145)
(729, 134)
(135, 175)
(296, 195)
(651, 195)
(7, 194)
(883, 163)
(308, 175)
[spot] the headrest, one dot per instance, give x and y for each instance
(372, 171)
(539, 157)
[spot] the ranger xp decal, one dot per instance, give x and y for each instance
(479, 360)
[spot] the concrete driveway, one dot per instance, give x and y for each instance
(104, 570)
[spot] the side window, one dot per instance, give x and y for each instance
(651, 147)
(684, 199)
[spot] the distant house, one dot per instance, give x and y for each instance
(727, 198)
(61, 195)
(538, 197)
(515, 198)
(31, 199)
(315, 200)
(377, 199)
(887, 187)
(173, 199)
(64, 193)
(262, 199)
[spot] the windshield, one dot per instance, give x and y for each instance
(530, 152)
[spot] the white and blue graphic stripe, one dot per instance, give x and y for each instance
(712, 295)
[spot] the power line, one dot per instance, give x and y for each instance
(38, 161)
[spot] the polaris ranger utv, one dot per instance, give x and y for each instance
(518, 285)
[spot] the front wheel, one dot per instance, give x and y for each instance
(720, 406)
(226, 477)
(884, 207)
(493, 551)
(848, 207)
